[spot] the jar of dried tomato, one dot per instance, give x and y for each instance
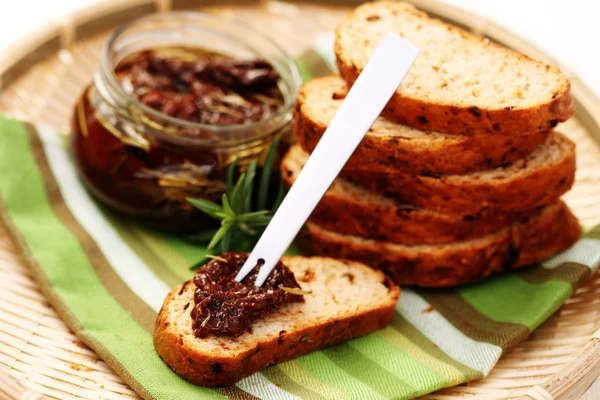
(177, 98)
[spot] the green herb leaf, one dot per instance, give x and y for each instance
(247, 229)
(260, 222)
(280, 195)
(218, 236)
(249, 185)
(226, 206)
(241, 225)
(249, 216)
(241, 241)
(226, 241)
(237, 197)
(266, 173)
(230, 175)
(207, 207)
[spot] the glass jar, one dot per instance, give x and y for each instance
(144, 163)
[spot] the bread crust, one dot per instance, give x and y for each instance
(459, 118)
(227, 367)
(397, 154)
(526, 243)
(403, 224)
(537, 187)
(350, 213)
(469, 120)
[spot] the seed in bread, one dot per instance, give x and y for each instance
(395, 148)
(549, 231)
(346, 300)
(536, 180)
(460, 83)
(352, 210)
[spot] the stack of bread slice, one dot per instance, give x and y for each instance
(462, 174)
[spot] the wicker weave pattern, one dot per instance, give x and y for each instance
(37, 347)
(39, 351)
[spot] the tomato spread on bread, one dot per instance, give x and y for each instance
(224, 307)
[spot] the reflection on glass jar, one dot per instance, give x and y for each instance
(178, 97)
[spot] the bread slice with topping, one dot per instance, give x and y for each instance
(530, 241)
(351, 210)
(396, 148)
(535, 180)
(460, 83)
(347, 299)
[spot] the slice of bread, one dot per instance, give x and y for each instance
(347, 300)
(538, 179)
(460, 83)
(554, 229)
(351, 210)
(396, 148)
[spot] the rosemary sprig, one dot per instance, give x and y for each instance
(246, 207)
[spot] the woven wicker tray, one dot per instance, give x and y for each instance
(41, 79)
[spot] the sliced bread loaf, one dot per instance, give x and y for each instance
(460, 83)
(391, 147)
(346, 300)
(537, 179)
(349, 209)
(552, 230)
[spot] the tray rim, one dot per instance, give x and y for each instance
(49, 40)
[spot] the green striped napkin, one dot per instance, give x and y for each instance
(107, 277)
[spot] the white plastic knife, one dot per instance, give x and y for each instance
(364, 102)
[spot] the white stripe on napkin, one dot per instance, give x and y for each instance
(586, 251)
(259, 386)
(123, 260)
(479, 356)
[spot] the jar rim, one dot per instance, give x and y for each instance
(109, 72)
